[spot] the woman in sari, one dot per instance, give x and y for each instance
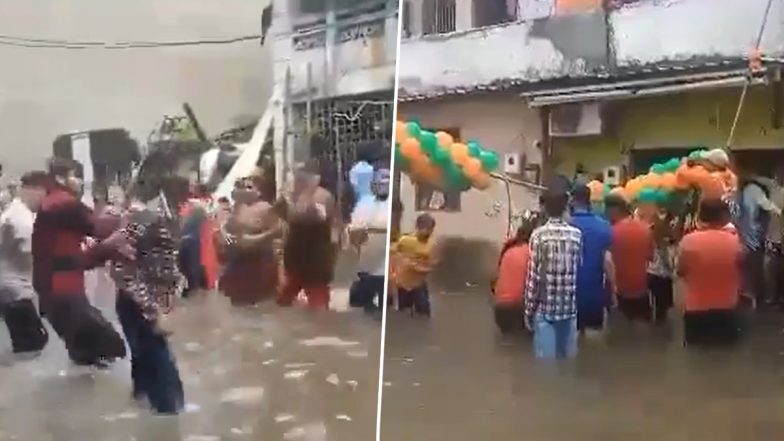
(246, 245)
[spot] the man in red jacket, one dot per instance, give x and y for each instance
(60, 260)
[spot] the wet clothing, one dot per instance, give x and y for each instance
(309, 253)
(555, 339)
(153, 367)
(708, 260)
(17, 307)
(509, 317)
(551, 283)
(632, 245)
(711, 328)
(592, 295)
(16, 260)
(59, 262)
(153, 279)
(412, 252)
(416, 300)
(512, 271)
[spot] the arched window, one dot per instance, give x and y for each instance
(438, 16)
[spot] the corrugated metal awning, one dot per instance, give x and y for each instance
(642, 88)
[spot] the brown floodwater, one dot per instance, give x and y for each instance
(249, 374)
(453, 379)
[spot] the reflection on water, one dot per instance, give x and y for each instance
(236, 366)
(454, 379)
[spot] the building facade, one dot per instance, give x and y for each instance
(560, 86)
(334, 71)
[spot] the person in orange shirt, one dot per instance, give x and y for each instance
(632, 248)
(510, 284)
(709, 265)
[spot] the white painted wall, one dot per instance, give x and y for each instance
(500, 123)
(680, 29)
(45, 92)
(361, 66)
(480, 56)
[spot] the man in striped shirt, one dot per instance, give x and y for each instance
(551, 288)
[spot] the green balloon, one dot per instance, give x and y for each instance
(697, 154)
(441, 157)
(429, 142)
(662, 197)
(657, 169)
(414, 129)
(474, 149)
(673, 164)
(648, 195)
(489, 160)
(453, 177)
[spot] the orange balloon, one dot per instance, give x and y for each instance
(472, 168)
(401, 132)
(459, 153)
(711, 187)
(682, 177)
(483, 181)
(668, 181)
(445, 140)
(411, 149)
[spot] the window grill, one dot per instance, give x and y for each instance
(339, 127)
(405, 15)
(439, 17)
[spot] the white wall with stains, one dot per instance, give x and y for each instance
(358, 66)
(652, 31)
(45, 92)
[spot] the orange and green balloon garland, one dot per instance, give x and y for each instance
(440, 160)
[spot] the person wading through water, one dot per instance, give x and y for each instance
(245, 244)
(308, 251)
(60, 259)
(16, 266)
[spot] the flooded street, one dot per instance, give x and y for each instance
(258, 373)
(454, 379)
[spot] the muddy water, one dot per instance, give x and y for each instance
(454, 379)
(249, 374)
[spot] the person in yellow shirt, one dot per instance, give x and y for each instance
(414, 262)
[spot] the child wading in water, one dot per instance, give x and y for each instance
(510, 284)
(415, 261)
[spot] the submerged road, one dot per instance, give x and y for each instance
(249, 374)
(455, 379)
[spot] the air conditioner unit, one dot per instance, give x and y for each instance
(572, 120)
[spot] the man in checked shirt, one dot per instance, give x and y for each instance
(551, 288)
(146, 287)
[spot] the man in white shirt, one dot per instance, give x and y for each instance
(16, 265)
(368, 232)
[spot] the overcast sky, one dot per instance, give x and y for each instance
(45, 92)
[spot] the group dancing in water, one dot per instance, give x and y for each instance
(571, 264)
(50, 239)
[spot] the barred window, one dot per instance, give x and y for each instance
(439, 17)
(492, 12)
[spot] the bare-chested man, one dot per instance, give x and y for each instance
(246, 246)
(308, 251)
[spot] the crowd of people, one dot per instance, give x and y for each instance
(568, 266)
(255, 246)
